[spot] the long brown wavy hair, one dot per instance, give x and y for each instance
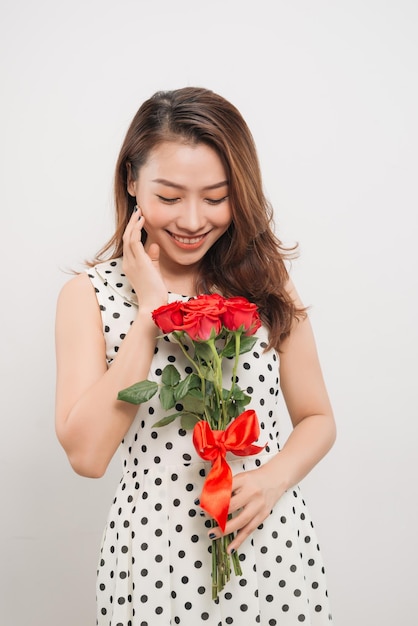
(248, 260)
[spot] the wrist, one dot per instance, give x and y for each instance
(276, 475)
(145, 323)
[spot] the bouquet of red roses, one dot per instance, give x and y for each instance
(209, 328)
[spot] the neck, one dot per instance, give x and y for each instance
(183, 284)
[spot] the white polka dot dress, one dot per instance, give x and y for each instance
(155, 562)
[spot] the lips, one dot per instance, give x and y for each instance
(188, 242)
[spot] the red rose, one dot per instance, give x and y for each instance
(169, 317)
(241, 313)
(203, 316)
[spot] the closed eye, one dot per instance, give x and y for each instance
(216, 201)
(212, 201)
(168, 200)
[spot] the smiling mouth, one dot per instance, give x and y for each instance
(188, 241)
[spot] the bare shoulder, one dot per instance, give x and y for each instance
(80, 345)
(291, 290)
(300, 342)
(300, 370)
(77, 302)
(77, 291)
(79, 341)
(77, 286)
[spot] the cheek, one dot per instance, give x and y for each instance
(225, 217)
(155, 217)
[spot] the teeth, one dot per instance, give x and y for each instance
(187, 239)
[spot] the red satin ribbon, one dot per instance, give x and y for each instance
(212, 445)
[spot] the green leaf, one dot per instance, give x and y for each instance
(209, 390)
(247, 343)
(170, 376)
(225, 394)
(167, 398)
(215, 413)
(238, 394)
(244, 402)
(229, 349)
(192, 381)
(239, 407)
(166, 420)
(194, 402)
(203, 351)
(189, 421)
(234, 410)
(207, 373)
(139, 392)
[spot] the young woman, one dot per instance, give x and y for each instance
(192, 218)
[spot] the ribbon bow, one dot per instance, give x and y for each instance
(212, 445)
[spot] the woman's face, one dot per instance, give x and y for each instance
(182, 191)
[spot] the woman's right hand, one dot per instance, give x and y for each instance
(141, 268)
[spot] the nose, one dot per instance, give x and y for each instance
(191, 217)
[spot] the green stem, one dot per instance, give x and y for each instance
(177, 337)
(221, 562)
(218, 384)
(215, 589)
(187, 355)
(237, 334)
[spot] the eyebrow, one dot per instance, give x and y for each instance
(169, 183)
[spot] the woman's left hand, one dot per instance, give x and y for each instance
(254, 494)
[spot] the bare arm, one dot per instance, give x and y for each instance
(256, 492)
(308, 404)
(90, 421)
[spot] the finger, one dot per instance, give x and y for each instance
(244, 491)
(240, 534)
(238, 501)
(135, 215)
(137, 228)
(238, 540)
(132, 234)
(154, 252)
(132, 223)
(239, 481)
(243, 533)
(232, 525)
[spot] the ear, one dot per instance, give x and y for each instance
(131, 184)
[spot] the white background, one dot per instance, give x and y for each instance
(330, 92)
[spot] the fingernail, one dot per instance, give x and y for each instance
(233, 551)
(135, 208)
(197, 501)
(212, 536)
